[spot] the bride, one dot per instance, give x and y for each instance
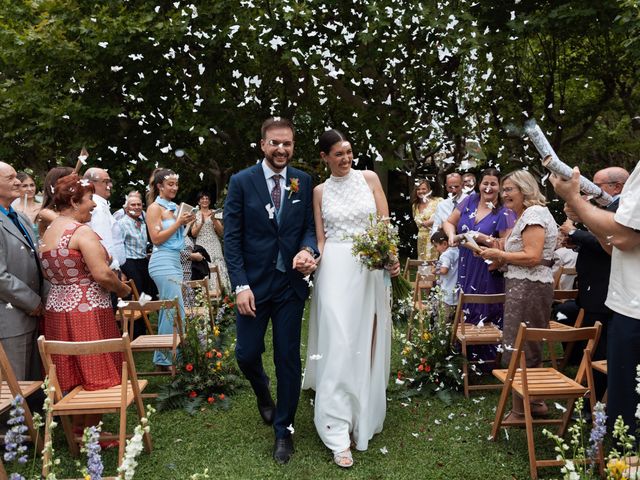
(350, 324)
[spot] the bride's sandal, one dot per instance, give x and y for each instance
(343, 459)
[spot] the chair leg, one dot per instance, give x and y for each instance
(502, 406)
(122, 432)
(68, 433)
(3, 472)
(465, 369)
(528, 419)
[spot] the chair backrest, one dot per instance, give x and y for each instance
(215, 273)
(477, 298)
(561, 272)
(526, 334)
(135, 296)
(424, 284)
(7, 374)
(151, 306)
(202, 283)
(411, 267)
(110, 345)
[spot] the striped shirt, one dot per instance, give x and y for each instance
(134, 236)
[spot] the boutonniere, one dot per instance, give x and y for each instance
(294, 186)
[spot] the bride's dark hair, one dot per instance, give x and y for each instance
(329, 138)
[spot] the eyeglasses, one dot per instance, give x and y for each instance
(273, 143)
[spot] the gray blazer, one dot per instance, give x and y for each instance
(20, 275)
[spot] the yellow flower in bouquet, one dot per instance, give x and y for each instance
(377, 248)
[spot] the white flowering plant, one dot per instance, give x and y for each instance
(580, 465)
(429, 364)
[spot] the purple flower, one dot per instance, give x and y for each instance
(598, 430)
(92, 448)
(14, 438)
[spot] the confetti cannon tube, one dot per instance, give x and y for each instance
(552, 163)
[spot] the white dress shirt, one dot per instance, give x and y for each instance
(444, 211)
(268, 173)
(109, 231)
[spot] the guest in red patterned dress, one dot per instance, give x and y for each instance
(79, 307)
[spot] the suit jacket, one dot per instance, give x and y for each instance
(593, 267)
(21, 283)
(252, 239)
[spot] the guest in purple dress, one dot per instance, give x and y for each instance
(488, 221)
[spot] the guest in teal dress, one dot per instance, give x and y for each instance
(167, 235)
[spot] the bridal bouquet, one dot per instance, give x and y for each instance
(377, 248)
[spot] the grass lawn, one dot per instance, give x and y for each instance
(423, 438)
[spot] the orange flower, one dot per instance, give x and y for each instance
(218, 354)
(193, 394)
(423, 360)
(294, 186)
(221, 396)
(211, 399)
(209, 354)
(400, 374)
(427, 368)
(420, 367)
(188, 367)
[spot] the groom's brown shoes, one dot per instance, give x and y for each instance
(267, 410)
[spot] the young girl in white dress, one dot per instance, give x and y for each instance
(350, 322)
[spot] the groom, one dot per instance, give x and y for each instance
(269, 246)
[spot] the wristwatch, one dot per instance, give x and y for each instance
(311, 251)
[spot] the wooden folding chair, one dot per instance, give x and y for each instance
(149, 343)
(205, 310)
(544, 384)
(10, 387)
(422, 288)
(216, 289)
(468, 334)
(79, 401)
(134, 315)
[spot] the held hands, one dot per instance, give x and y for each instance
(246, 303)
(304, 263)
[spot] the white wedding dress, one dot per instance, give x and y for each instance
(349, 345)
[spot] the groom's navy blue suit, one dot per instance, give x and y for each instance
(253, 238)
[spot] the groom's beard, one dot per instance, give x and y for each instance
(278, 161)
